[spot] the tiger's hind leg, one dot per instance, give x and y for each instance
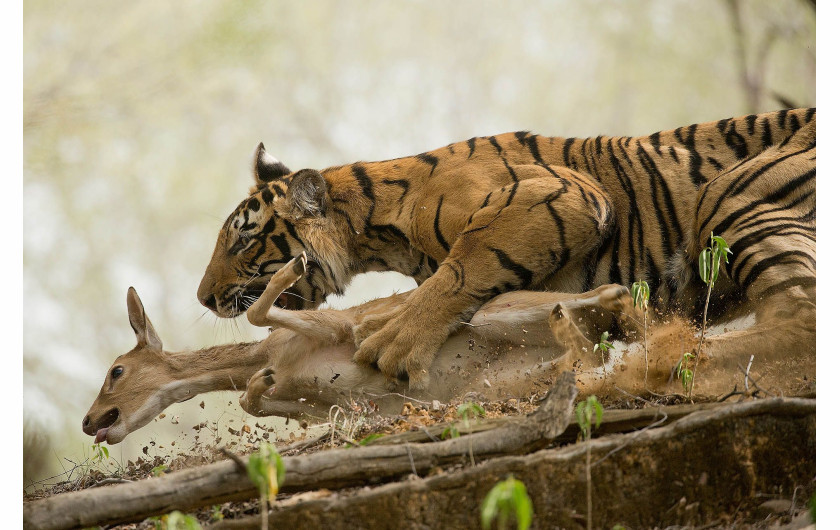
(765, 209)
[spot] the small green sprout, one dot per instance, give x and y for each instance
(605, 347)
(158, 471)
(467, 411)
(710, 258)
(450, 432)
(176, 521)
(709, 265)
(641, 294)
(508, 497)
(683, 372)
(470, 410)
(369, 438)
(267, 472)
(585, 412)
(100, 453)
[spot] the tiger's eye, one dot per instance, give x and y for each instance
(240, 244)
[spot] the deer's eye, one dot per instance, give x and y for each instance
(116, 372)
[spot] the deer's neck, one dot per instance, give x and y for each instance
(225, 367)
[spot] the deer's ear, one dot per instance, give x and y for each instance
(307, 193)
(140, 323)
(267, 168)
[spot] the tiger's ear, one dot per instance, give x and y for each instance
(267, 168)
(307, 194)
(140, 323)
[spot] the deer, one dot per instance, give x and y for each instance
(305, 365)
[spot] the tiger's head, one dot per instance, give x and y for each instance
(285, 214)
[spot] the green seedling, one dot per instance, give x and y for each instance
(176, 521)
(508, 497)
(641, 296)
(159, 471)
(684, 373)
(467, 411)
(709, 266)
(100, 453)
(216, 514)
(267, 472)
(605, 347)
(450, 432)
(585, 412)
(364, 441)
(470, 410)
(369, 438)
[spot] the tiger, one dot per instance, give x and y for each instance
(518, 210)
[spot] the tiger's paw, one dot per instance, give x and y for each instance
(368, 327)
(403, 348)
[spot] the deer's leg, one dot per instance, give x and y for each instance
(252, 399)
(263, 312)
(566, 333)
(323, 325)
(263, 397)
(578, 322)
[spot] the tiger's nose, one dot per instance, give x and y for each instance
(209, 302)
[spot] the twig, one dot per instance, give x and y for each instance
(735, 392)
(753, 381)
(240, 464)
(305, 444)
(793, 500)
(747, 375)
(634, 396)
(400, 395)
(430, 435)
(411, 459)
(110, 480)
(474, 325)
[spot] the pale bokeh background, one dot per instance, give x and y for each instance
(140, 120)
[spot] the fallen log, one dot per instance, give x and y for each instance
(697, 471)
(224, 481)
(613, 421)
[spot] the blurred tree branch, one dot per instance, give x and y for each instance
(753, 73)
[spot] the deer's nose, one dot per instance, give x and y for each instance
(86, 425)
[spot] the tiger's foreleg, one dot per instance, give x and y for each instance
(488, 257)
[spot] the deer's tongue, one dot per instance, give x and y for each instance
(100, 435)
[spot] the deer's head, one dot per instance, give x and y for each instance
(137, 387)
